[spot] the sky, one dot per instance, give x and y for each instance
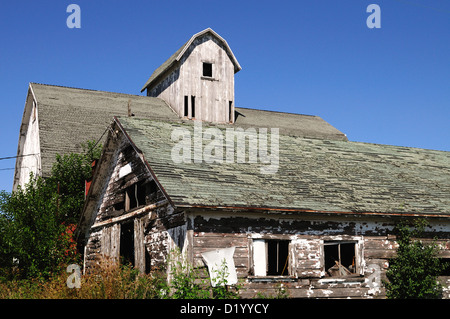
(387, 85)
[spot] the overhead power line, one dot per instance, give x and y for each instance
(10, 157)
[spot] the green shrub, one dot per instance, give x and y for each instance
(413, 272)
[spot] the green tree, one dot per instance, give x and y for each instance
(34, 220)
(69, 173)
(31, 229)
(412, 274)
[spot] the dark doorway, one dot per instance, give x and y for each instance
(127, 243)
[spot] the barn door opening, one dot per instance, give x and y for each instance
(127, 243)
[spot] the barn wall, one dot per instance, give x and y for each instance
(29, 144)
(307, 234)
(104, 238)
(212, 94)
(158, 228)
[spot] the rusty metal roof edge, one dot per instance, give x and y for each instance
(302, 210)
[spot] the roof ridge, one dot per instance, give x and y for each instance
(248, 108)
(83, 89)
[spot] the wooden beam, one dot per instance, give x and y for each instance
(132, 214)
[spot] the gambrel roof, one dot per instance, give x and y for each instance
(314, 175)
(70, 116)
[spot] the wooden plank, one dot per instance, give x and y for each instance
(139, 246)
(132, 214)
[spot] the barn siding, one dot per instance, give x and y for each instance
(159, 229)
(212, 95)
(375, 246)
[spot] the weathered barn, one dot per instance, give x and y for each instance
(321, 226)
(284, 198)
(198, 79)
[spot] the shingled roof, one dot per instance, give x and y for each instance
(71, 116)
(314, 175)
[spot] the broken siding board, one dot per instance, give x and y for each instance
(139, 245)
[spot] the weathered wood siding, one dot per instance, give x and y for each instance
(307, 234)
(212, 94)
(158, 229)
(30, 144)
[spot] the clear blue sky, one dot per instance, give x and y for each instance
(389, 85)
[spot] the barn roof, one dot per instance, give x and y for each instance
(71, 116)
(180, 52)
(314, 175)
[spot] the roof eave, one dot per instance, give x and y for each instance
(312, 211)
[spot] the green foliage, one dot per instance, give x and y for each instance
(34, 237)
(69, 173)
(187, 282)
(413, 273)
(31, 229)
(106, 280)
(222, 289)
(184, 281)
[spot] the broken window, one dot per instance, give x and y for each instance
(127, 243)
(135, 196)
(340, 258)
(207, 69)
(271, 257)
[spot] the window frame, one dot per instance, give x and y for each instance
(210, 68)
(357, 254)
(254, 270)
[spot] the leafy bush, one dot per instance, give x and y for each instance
(188, 282)
(37, 220)
(413, 272)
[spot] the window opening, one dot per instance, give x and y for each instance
(186, 106)
(340, 258)
(127, 243)
(135, 196)
(207, 69)
(271, 257)
(230, 111)
(193, 106)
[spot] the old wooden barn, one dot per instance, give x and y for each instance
(331, 204)
(284, 198)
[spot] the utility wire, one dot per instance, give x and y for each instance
(10, 157)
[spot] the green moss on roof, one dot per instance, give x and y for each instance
(313, 174)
